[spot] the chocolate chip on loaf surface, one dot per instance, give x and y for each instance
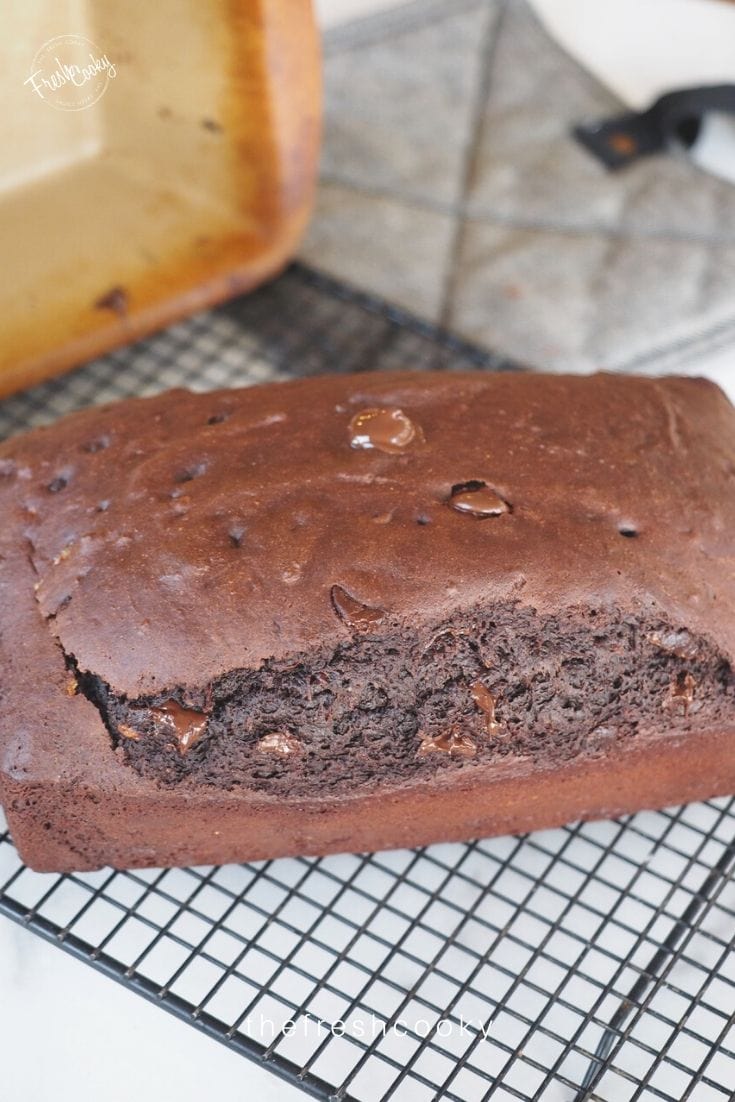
(347, 613)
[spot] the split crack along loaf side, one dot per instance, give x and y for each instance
(398, 706)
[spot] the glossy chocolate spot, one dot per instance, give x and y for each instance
(129, 732)
(600, 736)
(281, 743)
(679, 643)
(97, 445)
(64, 554)
(354, 613)
(487, 704)
(218, 418)
(188, 474)
(478, 499)
(441, 639)
(186, 724)
(116, 300)
(681, 694)
(451, 742)
(237, 535)
(384, 430)
(629, 531)
(57, 484)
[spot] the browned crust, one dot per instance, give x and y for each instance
(89, 826)
(72, 803)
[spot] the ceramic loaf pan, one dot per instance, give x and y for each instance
(187, 178)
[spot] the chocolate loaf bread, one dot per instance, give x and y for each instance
(349, 613)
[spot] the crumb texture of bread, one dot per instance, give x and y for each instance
(495, 684)
(355, 612)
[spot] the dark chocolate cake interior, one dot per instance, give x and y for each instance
(497, 682)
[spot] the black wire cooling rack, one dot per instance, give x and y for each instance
(589, 962)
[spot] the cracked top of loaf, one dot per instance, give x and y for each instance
(177, 537)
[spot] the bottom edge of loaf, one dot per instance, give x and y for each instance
(61, 828)
(494, 720)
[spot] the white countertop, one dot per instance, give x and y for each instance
(70, 1034)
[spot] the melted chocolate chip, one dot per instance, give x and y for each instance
(679, 643)
(681, 694)
(478, 499)
(64, 554)
(450, 742)
(442, 638)
(57, 484)
(281, 743)
(115, 299)
(187, 725)
(385, 430)
(128, 732)
(218, 418)
(97, 445)
(487, 703)
(188, 474)
(628, 531)
(354, 613)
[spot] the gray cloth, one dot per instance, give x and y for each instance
(451, 185)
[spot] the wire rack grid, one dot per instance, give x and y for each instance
(591, 962)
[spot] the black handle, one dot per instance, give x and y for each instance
(676, 115)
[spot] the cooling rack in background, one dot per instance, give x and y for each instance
(589, 962)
